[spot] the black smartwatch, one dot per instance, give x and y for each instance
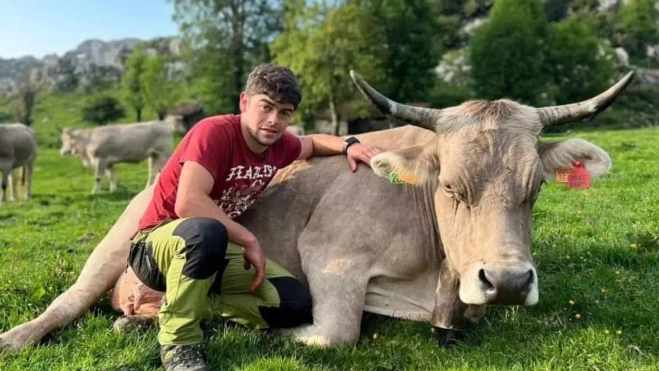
(348, 142)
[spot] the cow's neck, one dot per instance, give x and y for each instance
(424, 197)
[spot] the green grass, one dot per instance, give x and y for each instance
(597, 247)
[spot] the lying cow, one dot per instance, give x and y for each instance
(102, 147)
(18, 149)
(439, 250)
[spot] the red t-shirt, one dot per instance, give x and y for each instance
(217, 144)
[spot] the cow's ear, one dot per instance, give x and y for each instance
(414, 164)
(564, 154)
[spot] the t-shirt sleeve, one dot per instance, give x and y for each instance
(207, 145)
(291, 147)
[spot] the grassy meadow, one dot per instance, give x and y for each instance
(597, 252)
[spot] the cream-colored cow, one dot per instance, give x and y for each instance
(102, 147)
(18, 149)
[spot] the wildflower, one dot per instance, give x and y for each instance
(572, 302)
(619, 332)
(606, 332)
(375, 336)
(577, 316)
(633, 246)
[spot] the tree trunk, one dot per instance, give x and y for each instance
(333, 114)
(138, 111)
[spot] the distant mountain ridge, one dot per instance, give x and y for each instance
(90, 59)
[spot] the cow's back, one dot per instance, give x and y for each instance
(18, 143)
(131, 142)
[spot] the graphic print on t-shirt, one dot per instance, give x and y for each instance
(244, 185)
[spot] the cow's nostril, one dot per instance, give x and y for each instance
(483, 278)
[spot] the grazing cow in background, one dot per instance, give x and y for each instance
(18, 149)
(102, 147)
(440, 249)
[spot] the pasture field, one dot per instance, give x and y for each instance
(596, 249)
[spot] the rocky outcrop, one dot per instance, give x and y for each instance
(91, 60)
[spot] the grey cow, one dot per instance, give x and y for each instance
(18, 149)
(440, 249)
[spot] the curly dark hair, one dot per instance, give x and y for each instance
(277, 82)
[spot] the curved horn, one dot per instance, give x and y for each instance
(556, 115)
(418, 116)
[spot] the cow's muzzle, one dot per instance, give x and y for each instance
(516, 284)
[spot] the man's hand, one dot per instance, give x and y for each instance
(253, 256)
(140, 294)
(360, 152)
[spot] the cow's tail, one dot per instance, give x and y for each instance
(23, 171)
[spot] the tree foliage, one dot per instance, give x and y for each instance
(582, 65)
(637, 26)
(132, 80)
(160, 91)
(228, 38)
(508, 54)
(323, 49)
(102, 109)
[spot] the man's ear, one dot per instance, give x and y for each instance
(563, 155)
(414, 164)
(244, 101)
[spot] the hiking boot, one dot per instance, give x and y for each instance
(183, 358)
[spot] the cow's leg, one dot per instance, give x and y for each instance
(3, 182)
(156, 163)
(13, 181)
(111, 173)
(98, 275)
(99, 168)
(338, 288)
(29, 171)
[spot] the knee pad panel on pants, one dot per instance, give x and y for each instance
(294, 307)
(206, 242)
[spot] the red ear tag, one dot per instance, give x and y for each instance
(579, 178)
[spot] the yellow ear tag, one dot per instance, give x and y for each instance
(562, 175)
(401, 179)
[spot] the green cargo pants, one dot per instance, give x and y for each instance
(202, 274)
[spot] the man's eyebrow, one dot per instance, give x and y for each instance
(266, 100)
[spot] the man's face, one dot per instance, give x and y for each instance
(265, 119)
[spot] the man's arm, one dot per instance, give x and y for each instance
(327, 145)
(193, 200)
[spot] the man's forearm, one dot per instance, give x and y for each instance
(326, 145)
(203, 206)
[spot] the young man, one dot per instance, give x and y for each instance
(188, 245)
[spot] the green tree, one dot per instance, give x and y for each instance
(582, 66)
(322, 44)
(131, 80)
(226, 39)
(508, 53)
(102, 109)
(160, 92)
(637, 25)
(412, 45)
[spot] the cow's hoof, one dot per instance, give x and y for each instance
(447, 338)
(134, 323)
(17, 338)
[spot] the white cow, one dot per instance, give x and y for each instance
(102, 147)
(18, 149)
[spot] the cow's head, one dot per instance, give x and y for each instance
(489, 164)
(70, 141)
